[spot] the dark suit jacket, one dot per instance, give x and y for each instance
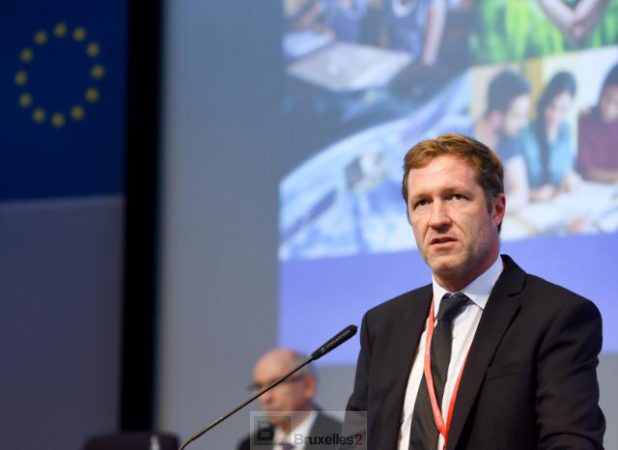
(529, 381)
(322, 427)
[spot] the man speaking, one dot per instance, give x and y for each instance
(486, 357)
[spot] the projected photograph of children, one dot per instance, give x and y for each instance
(557, 192)
(550, 120)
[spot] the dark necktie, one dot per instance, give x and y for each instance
(423, 431)
(287, 446)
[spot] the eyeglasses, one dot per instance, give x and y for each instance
(257, 387)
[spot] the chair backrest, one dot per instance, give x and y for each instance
(133, 441)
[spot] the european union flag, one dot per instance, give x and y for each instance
(62, 91)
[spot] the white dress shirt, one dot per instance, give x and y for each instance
(464, 327)
(302, 429)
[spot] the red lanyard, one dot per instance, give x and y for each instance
(437, 413)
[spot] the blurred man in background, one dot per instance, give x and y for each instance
(296, 423)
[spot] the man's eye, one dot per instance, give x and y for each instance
(421, 203)
(456, 197)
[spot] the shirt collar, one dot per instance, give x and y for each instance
(478, 290)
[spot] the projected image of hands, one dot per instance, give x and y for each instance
(349, 61)
(537, 81)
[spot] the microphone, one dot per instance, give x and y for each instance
(334, 342)
(329, 346)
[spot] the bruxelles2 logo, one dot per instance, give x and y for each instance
(80, 65)
(266, 428)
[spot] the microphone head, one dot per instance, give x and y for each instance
(335, 341)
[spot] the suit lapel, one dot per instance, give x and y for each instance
(410, 328)
(407, 332)
(501, 307)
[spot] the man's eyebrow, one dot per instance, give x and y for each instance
(447, 190)
(418, 196)
(453, 189)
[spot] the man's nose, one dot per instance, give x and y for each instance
(439, 217)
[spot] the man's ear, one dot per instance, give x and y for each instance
(499, 208)
(310, 386)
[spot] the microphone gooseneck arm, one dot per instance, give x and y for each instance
(245, 403)
(330, 345)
